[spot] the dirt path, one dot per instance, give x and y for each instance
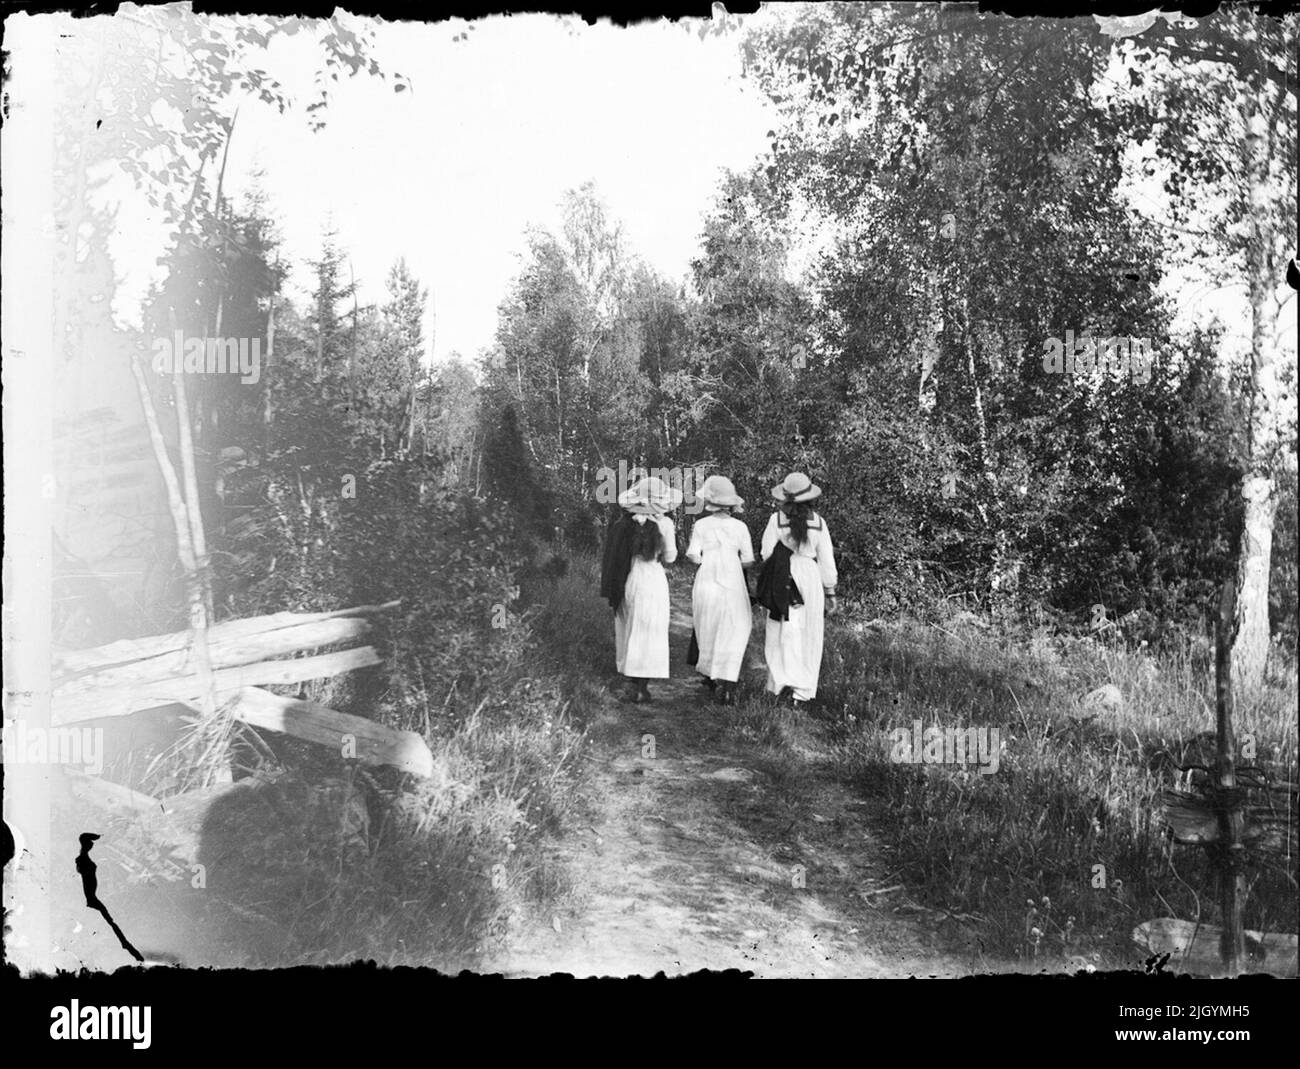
(722, 852)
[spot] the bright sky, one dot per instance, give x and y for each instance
(495, 129)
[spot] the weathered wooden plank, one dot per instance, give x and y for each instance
(122, 701)
(73, 662)
(1198, 950)
(1192, 821)
(175, 823)
(225, 653)
(1272, 831)
(109, 795)
(372, 743)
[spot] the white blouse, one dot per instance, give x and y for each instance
(720, 532)
(818, 547)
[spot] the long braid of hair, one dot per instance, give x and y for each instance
(797, 512)
(647, 540)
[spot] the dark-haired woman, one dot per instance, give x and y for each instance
(640, 543)
(793, 645)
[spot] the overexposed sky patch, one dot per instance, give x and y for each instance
(494, 130)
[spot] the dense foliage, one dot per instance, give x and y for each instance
(968, 189)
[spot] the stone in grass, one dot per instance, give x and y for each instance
(731, 775)
(1104, 699)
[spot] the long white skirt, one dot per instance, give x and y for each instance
(722, 616)
(793, 648)
(641, 623)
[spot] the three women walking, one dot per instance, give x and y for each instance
(796, 586)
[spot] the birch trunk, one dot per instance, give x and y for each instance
(1258, 490)
(268, 405)
(184, 540)
(1001, 573)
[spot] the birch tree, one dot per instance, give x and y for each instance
(1215, 101)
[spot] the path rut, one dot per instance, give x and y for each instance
(711, 850)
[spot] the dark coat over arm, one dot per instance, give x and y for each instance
(618, 561)
(776, 591)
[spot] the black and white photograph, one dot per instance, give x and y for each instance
(797, 492)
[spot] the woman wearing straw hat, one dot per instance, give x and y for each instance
(633, 581)
(721, 546)
(797, 537)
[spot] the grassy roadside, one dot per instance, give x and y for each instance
(316, 861)
(1057, 856)
(1053, 860)
(311, 859)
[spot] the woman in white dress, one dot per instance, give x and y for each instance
(793, 645)
(633, 580)
(721, 546)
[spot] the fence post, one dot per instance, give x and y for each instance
(1231, 851)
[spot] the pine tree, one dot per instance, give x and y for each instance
(403, 347)
(332, 335)
(509, 477)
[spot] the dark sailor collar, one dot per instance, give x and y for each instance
(783, 521)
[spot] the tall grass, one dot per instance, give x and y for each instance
(431, 871)
(573, 624)
(1060, 853)
(317, 860)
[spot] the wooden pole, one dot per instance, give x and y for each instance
(1231, 850)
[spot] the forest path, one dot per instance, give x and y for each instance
(695, 855)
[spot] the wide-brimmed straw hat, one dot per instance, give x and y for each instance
(797, 487)
(650, 497)
(718, 492)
